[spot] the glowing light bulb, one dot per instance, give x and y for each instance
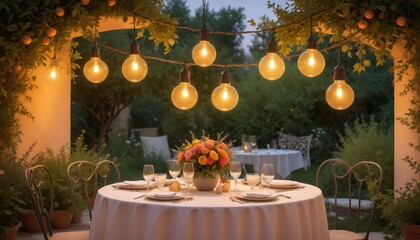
(271, 66)
(95, 70)
(311, 63)
(204, 52)
(339, 95)
(225, 97)
(184, 96)
(134, 67)
(52, 73)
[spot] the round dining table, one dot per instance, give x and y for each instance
(299, 214)
(285, 161)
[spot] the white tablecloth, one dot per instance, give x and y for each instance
(209, 216)
(285, 161)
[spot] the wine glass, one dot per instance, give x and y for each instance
(235, 170)
(188, 173)
(252, 180)
(267, 173)
(174, 168)
(253, 140)
(160, 179)
(148, 174)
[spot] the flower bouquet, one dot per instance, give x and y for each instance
(208, 155)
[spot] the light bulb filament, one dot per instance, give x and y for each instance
(225, 94)
(339, 93)
(96, 68)
(204, 52)
(272, 64)
(311, 60)
(53, 73)
(135, 66)
(185, 93)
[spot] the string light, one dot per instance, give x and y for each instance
(52, 74)
(339, 95)
(95, 70)
(271, 66)
(184, 96)
(225, 97)
(311, 63)
(204, 52)
(134, 67)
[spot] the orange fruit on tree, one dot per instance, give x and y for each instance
(369, 14)
(51, 32)
(112, 2)
(85, 2)
(26, 39)
(45, 41)
(59, 11)
(18, 68)
(362, 24)
(401, 21)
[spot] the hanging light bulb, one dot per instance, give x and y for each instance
(271, 66)
(225, 97)
(95, 70)
(204, 52)
(134, 67)
(339, 95)
(52, 73)
(184, 96)
(311, 62)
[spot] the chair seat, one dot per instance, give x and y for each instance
(344, 235)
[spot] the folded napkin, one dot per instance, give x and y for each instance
(164, 194)
(284, 183)
(138, 183)
(258, 194)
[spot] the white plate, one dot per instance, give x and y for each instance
(164, 194)
(137, 183)
(256, 194)
(284, 184)
(133, 185)
(155, 196)
(260, 198)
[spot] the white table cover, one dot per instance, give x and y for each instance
(285, 161)
(209, 216)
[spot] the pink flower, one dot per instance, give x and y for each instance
(188, 154)
(1, 172)
(223, 161)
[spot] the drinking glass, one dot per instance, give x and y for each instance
(253, 140)
(267, 173)
(235, 170)
(148, 174)
(274, 144)
(188, 173)
(252, 179)
(160, 179)
(244, 139)
(174, 168)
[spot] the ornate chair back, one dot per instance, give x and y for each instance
(86, 177)
(302, 144)
(39, 183)
(348, 191)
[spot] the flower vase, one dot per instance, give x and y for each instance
(206, 183)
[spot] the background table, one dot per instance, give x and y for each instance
(285, 161)
(209, 216)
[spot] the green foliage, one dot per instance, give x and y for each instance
(401, 208)
(367, 141)
(11, 207)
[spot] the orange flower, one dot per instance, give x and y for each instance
(180, 156)
(223, 162)
(202, 160)
(214, 155)
(223, 153)
(205, 150)
(223, 145)
(210, 143)
(210, 161)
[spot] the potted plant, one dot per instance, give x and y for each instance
(402, 207)
(11, 208)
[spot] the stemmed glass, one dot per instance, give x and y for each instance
(252, 180)
(188, 173)
(148, 174)
(160, 179)
(174, 168)
(253, 140)
(235, 170)
(267, 173)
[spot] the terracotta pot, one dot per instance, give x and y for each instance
(77, 217)
(206, 184)
(61, 219)
(30, 222)
(12, 234)
(412, 232)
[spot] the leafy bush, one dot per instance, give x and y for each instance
(368, 142)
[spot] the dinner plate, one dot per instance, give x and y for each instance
(133, 185)
(284, 184)
(257, 197)
(168, 196)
